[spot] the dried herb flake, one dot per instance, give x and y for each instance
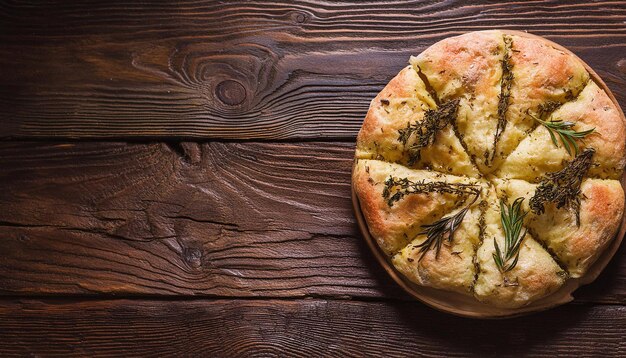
(563, 187)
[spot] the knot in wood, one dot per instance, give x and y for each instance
(193, 257)
(230, 92)
(298, 17)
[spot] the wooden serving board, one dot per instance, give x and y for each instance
(468, 306)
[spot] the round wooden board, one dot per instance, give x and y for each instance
(467, 306)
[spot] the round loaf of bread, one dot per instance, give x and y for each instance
(490, 167)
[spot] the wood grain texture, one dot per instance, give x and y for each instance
(302, 328)
(214, 219)
(255, 219)
(240, 69)
(241, 248)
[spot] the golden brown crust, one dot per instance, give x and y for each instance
(537, 155)
(462, 64)
(394, 226)
(548, 72)
(547, 83)
(601, 211)
(404, 86)
(596, 110)
(467, 68)
(453, 269)
(577, 247)
(535, 275)
(542, 75)
(404, 100)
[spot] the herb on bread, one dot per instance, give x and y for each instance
(397, 188)
(565, 132)
(512, 217)
(506, 81)
(424, 131)
(442, 230)
(563, 187)
(546, 109)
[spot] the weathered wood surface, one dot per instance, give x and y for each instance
(237, 248)
(239, 69)
(301, 328)
(222, 219)
(219, 219)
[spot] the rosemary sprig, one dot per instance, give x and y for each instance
(563, 187)
(442, 230)
(424, 131)
(512, 217)
(565, 132)
(397, 188)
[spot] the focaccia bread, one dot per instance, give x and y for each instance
(490, 166)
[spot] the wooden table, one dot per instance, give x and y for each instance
(175, 180)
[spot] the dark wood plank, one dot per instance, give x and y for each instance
(240, 69)
(304, 328)
(218, 219)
